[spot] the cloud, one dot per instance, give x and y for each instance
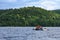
(46, 4)
(49, 5)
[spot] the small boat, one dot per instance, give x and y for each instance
(39, 28)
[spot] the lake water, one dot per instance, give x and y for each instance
(27, 33)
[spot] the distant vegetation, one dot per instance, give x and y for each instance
(29, 16)
(57, 11)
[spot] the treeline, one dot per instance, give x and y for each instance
(57, 11)
(29, 16)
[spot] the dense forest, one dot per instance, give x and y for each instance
(29, 16)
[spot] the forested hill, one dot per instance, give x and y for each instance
(29, 16)
(57, 11)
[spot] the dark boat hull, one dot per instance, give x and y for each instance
(38, 29)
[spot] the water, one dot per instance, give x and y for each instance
(27, 33)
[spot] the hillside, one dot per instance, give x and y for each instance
(29, 16)
(57, 11)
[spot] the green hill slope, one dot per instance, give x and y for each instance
(57, 11)
(29, 16)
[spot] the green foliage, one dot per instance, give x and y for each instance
(57, 11)
(29, 16)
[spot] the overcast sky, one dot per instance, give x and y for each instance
(46, 4)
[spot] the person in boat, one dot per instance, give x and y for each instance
(39, 27)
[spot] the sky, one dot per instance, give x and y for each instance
(46, 4)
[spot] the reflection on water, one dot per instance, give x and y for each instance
(27, 33)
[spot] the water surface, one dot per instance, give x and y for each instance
(27, 33)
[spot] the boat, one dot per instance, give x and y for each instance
(39, 28)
